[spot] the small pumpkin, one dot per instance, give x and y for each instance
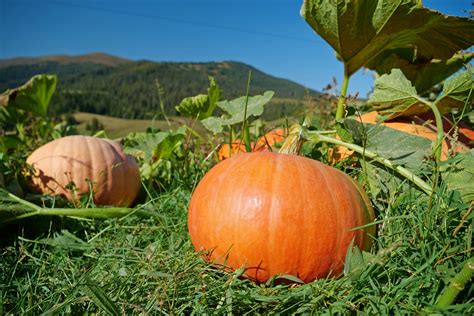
(412, 125)
(226, 150)
(273, 213)
(72, 165)
(267, 141)
(264, 143)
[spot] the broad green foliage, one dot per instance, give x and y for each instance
(234, 111)
(154, 146)
(457, 91)
(364, 32)
(395, 96)
(402, 148)
(165, 158)
(156, 152)
(201, 106)
(423, 74)
(460, 175)
(33, 96)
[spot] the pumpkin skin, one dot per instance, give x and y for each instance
(275, 214)
(411, 125)
(114, 176)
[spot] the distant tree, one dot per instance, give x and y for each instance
(94, 126)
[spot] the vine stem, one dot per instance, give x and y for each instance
(102, 212)
(407, 174)
(457, 284)
(341, 102)
(298, 134)
(438, 144)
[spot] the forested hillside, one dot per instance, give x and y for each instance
(98, 83)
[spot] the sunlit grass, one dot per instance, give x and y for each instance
(149, 266)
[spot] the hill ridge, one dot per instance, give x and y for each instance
(128, 89)
(95, 57)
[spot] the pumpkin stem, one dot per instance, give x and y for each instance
(294, 141)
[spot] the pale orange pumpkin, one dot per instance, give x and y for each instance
(73, 165)
(273, 213)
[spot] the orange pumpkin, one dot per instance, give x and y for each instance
(267, 141)
(226, 151)
(72, 165)
(274, 213)
(411, 125)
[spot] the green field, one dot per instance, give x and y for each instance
(118, 127)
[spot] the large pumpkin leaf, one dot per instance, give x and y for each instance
(234, 111)
(201, 105)
(457, 92)
(423, 74)
(395, 96)
(361, 30)
(33, 96)
(401, 148)
(460, 175)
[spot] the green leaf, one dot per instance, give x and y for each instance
(165, 149)
(234, 111)
(97, 295)
(356, 261)
(202, 105)
(33, 96)
(343, 133)
(457, 91)
(194, 106)
(154, 146)
(360, 31)
(423, 74)
(214, 95)
(460, 175)
(214, 124)
(401, 148)
(395, 96)
(66, 240)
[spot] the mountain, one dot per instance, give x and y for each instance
(94, 58)
(109, 85)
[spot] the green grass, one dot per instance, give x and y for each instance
(148, 266)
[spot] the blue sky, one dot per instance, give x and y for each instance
(267, 34)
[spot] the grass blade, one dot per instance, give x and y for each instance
(100, 298)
